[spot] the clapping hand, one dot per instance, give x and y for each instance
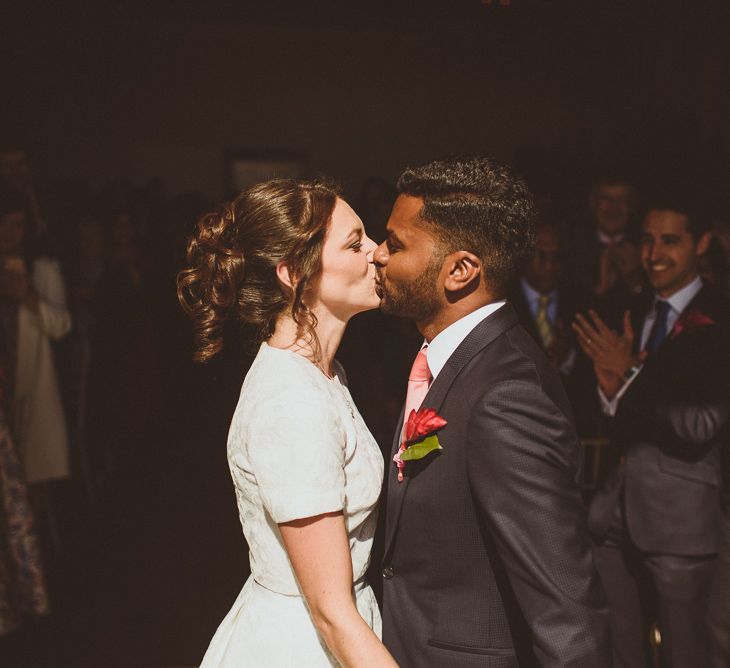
(610, 352)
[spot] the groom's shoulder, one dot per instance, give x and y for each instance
(512, 352)
(513, 356)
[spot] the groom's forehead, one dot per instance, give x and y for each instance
(407, 207)
(404, 230)
(405, 217)
(410, 234)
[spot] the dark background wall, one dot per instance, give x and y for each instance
(137, 90)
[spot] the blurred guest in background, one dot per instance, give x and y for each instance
(657, 517)
(34, 313)
(604, 255)
(125, 362)
(546, 304)
(712, 267)
(719, 613)
(84, 267)
(15, 175)
(721, 232)
(22, 588)
(719, 616)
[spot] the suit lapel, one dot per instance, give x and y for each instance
(478, 339)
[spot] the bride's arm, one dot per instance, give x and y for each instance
(320, 555)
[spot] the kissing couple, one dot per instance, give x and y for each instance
(487, 559)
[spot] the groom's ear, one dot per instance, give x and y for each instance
(463, 268)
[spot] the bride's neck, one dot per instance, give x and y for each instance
(322, 350)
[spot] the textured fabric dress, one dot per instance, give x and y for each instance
(22, 589)
(297, 447)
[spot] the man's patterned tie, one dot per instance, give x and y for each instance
(544, 328)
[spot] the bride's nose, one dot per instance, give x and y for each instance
(370, 248)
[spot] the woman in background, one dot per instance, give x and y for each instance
(22, 590)
(34, 312)
(292, 261)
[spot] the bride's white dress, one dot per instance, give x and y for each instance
(297, 447)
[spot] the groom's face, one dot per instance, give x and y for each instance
(409, 264)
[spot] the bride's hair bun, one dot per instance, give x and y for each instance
(233, 253)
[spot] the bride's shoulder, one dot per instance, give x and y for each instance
(279, 377)
(284, 395)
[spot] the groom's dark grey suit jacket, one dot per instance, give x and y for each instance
(487, 556)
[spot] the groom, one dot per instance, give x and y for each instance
(487, 558)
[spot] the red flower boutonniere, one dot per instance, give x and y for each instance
(420, 437)
(691, 320)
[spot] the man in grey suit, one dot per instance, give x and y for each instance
(487, 557)
(658, 516)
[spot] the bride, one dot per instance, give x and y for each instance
(291, 260)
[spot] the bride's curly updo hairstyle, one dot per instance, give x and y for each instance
(233, 253)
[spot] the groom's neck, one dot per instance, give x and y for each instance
(449, 313)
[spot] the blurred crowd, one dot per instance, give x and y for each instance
(88, 322)
(92, 345)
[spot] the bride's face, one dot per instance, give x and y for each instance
(346, 284)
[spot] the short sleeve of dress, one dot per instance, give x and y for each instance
(297, 454)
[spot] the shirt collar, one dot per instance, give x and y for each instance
(681, 299)
(448, 340)
(532, 295)
(608, 240)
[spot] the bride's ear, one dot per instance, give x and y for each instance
(284, 275)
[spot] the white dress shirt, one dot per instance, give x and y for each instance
(609, 240)
(447, 341)
(677, 303)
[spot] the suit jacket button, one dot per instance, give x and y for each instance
(388, 572)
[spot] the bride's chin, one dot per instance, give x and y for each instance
(371, 304)
(374, 304)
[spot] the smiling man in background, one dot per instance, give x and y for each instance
(657, 518)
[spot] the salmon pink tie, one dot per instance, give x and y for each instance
(418, 381)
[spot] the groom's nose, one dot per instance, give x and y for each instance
(380, 256)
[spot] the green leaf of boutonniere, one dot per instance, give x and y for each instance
(421, 449)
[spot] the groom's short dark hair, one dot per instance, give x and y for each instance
(478, 205)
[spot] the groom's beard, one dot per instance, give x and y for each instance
(417, 299)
